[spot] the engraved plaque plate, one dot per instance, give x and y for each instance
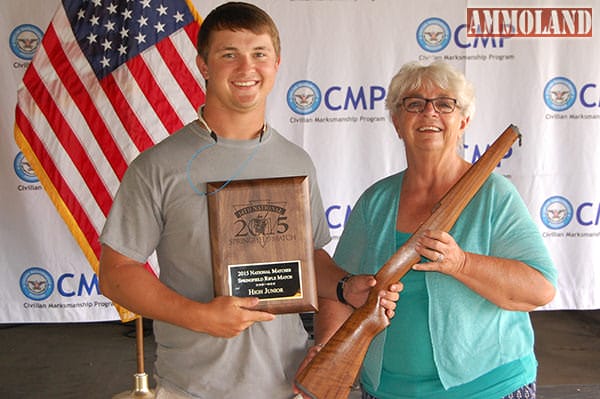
(261, 242)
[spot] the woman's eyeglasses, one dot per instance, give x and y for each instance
(416, 105)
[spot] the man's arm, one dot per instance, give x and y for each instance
(356, 289)
(328, 274)
(129, 284)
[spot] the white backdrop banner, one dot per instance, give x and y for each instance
(337, 60)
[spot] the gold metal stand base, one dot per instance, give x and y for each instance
(140, 391)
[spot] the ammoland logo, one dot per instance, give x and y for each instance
(529, 22)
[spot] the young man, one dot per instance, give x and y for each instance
(214, 347)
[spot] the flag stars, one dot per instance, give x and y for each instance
(178, 17)
(113, 31)
(91, 38)
(105, 62)
(106, 44)
(126, 14)
(140, 38)
(110, 26)
(160, 27)
(112, 8)
(122, 50)
(162, 10)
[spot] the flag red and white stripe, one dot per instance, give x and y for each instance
(82, 115)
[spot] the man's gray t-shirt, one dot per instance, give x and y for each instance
(157, 207)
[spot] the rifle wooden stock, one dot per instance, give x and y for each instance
(333, 371)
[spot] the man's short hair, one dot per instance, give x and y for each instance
(236, 16)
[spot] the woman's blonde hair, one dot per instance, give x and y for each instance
(414, 75)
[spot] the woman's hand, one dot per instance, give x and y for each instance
(443, 252)
(508, 283)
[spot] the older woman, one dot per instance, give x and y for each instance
(461, 328)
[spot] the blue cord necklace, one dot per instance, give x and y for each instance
(235, 174)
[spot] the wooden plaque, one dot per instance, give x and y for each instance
(262, 244)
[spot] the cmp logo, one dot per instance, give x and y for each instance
(24, 170)
(556, 212)
(560, 94)
(36, 283)
(304, 97)
(25, 40)
(433, 35)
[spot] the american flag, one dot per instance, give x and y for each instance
(110, 79)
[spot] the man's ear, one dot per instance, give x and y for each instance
(202, 67)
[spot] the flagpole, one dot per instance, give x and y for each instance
(140, 389)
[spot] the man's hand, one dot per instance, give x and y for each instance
(357, 288)
(228, 316)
